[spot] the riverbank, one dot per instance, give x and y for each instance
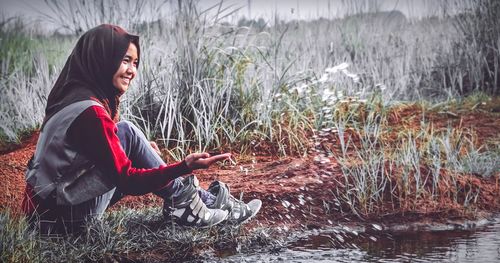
(320, 188)
(296, 193)
(406, 168)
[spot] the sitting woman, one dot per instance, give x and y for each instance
(86, 160)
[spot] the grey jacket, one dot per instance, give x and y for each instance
(57, 168)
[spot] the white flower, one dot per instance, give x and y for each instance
(353, 76)
(323, 78)
(337, 68)
(381, 86)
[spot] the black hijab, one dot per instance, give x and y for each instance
(88, 72)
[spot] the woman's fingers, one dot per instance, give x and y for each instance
(194, 160)
(216, 158)
(200, 155)
(204, 160)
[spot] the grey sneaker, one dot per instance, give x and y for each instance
(239, 212)
(189, 210)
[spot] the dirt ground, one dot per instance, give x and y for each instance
(297, 191)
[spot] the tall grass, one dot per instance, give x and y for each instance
(477, 56)
(78, 16)
(406, 169)
(205, 83)
(28, 63)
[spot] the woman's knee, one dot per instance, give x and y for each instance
(126, 126)
(127, 129)
(127, 134)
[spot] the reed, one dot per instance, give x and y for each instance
(420, 165)
(204, 81)
(206, 84)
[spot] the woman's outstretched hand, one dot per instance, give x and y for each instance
(204, 160)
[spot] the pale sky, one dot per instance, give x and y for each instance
(312, 9)
(267, 9)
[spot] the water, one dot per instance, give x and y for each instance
(481, 245)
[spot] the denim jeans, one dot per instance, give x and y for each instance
(142, 155)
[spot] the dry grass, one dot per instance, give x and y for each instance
(128, 235)
(399, 158)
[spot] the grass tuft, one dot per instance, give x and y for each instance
(127, 235)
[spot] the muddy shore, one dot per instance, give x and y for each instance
(296, 193)
(299, 192)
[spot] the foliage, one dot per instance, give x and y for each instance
(17, 240)
(478, 55)
(126, 235)
(384, 165)
(207, 84)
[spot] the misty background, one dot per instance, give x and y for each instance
(215, 73)
(33, 11)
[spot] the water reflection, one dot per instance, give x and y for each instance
(482, 245)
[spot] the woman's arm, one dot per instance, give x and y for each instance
(94, 134)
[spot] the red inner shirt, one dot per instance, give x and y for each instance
(93, 134)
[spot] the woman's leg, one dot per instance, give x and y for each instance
(57, 219)
(73, 218)
(184, 204)
(139, 151)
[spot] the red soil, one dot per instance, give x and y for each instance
(299, 191)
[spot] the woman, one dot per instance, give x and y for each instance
(86, 160)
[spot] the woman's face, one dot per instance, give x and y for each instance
(127, 70)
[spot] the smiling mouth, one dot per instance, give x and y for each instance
(126, 80)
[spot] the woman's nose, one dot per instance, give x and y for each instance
(131, 69)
